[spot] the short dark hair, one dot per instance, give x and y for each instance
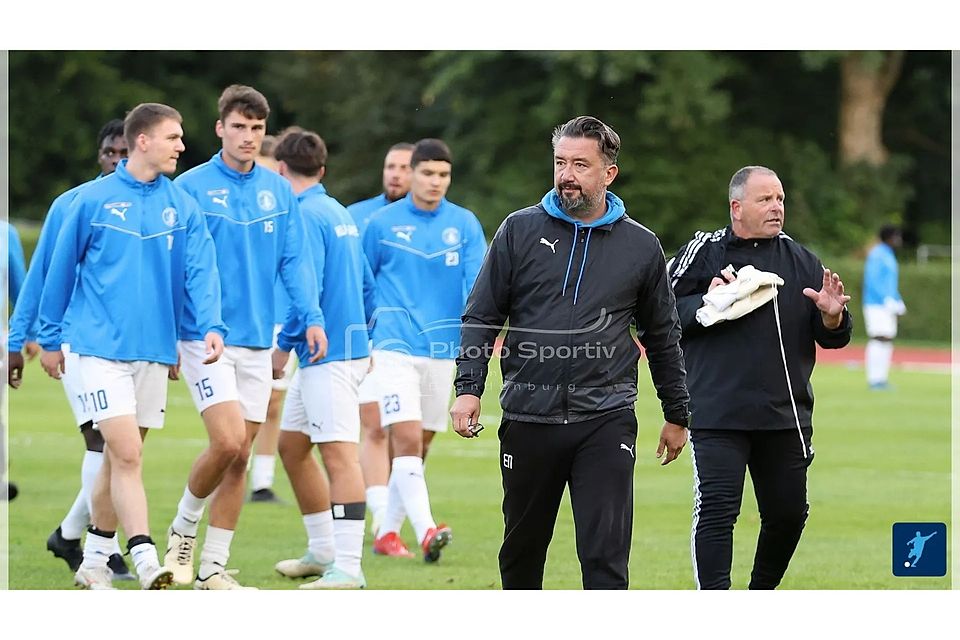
(430, 149)
(112, 129)
(249, 102)
(889, 232)
(304, 152)
(144, 117)
(401, 146)
(590, 127)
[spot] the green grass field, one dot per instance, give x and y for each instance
(880, 458)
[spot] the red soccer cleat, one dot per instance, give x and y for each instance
(436, 539)
(390, 544)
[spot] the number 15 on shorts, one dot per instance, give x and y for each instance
(204, 390)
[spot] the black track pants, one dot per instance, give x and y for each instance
(596, 459)
(779, 473)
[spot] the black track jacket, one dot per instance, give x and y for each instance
(570, 294)
(735, 368)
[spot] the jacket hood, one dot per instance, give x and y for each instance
(615, 210)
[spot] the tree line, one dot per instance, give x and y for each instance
(859, 138)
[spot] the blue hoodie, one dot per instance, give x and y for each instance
(880, 273)
(255, 222)
(137, 253)
(615, 210)
(23, 323)
(346, 282)
(425, 264)
(361, 211)
(16, 267)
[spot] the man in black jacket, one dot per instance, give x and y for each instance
(569, 361)
(750, 395)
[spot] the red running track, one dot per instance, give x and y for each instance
(909, 357)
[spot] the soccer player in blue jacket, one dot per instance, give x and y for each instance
(425, 253)
(131, 255)
(882, 305)
(396, 184)
(64, 542)
(254, 218)
(374, 450)
(323, 403)
(14, 271)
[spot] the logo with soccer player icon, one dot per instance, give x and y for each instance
(919, 549)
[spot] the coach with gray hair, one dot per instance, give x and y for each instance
(571, 274)
(749, 375)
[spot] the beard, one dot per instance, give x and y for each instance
(583, 203)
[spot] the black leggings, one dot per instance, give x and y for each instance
(595, 458)
(778, 469)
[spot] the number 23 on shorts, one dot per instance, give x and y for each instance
(391, 403)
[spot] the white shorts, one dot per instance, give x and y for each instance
(879, 321)
(323, 401)
(414, 388)
(284, 383)
(370, 387)
(241, 374)
(112, 388)
(73, 385)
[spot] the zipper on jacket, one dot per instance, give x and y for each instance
(565, 400)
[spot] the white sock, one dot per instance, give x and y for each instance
(377, 497)
(348, 535)
(144, 558)
(97, 550)
(320, 536)
(78, 518)
(394, 513)
(261, 477)
(216, 551)
(89, 470)
(408, 472)
(189, 512)
(878, 355)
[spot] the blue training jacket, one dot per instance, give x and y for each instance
(24, 324)
(424, 263)
(880, 274)
(361, 211)
(255, 222)
(137, 253)
(346, 282)
(16, 269)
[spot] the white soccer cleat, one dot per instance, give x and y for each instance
(337, 579)
(179, 556)
(94, 578)
(303, 567)
(221, 580)
(154, 578)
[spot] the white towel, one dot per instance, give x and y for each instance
(751, 290)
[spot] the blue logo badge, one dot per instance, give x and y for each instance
(919, 549)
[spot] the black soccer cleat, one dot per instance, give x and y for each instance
(9, 492)
(265, 495)
(69, 550)
(119, 567)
